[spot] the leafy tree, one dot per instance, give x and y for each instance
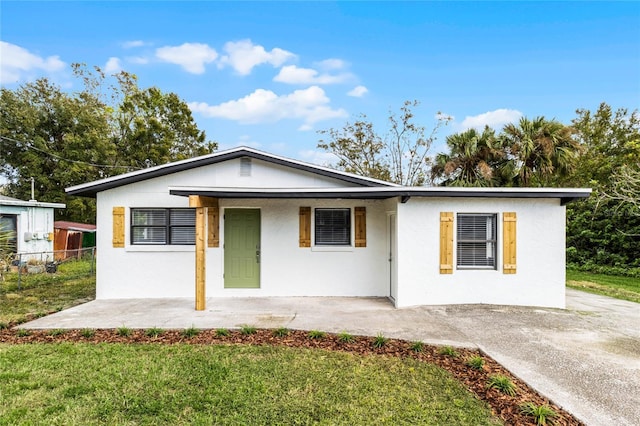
(608, 139)
(156, 128)
(54, 138)
(543, 150)
(358, 148)
(400, 156)
(604, 230)
(625, 187)
(63, 139)
(474, 159)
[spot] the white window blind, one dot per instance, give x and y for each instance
(163, 226)
(476, 240)
(183, 226)
(333, 227)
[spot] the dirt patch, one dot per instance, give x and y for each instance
(503, 406)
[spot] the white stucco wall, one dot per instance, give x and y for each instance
(286, 269)
(540, 277)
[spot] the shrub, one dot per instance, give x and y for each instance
(316, 334)
(222, 332)
(87, 332)
(190, 332)
(448, 351)
(503, 384)
(123, 331)
(476, 362)
(345, 337)
(23, 332)
(153, 332)
(281, 332)
(57, 332)
(248, 329)
(417, 346)
(379, 341)
(541, 413)
(3, 325)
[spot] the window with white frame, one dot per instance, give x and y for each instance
(154, 226)
(332, 227)
(476, 241)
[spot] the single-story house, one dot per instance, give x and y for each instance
(243, 222)
(70, 237)
(31, 223)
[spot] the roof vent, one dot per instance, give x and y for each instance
(245, 166)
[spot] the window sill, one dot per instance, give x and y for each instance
(332, 248)
(476, 268)
(160, 248)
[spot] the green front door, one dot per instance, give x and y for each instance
(242, 248)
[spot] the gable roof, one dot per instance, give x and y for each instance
(91, 188)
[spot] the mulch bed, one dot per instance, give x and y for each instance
(503, 406)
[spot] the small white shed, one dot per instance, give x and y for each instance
(243, 222)
(31, 222)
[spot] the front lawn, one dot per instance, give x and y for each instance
(626, 288)
(84, 383)
(40, 294)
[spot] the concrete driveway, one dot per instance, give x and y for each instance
(585, 358)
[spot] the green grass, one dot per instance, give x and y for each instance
(475, 362)
(316, 334)
(503, 384)
(448, 351)
(540, 413)
(345, 337)
(625, 288)
(75, 384)
(379, 341)
(43, 293)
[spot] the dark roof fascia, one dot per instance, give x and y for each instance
(383, 193)
(354, 194)
(92, 190)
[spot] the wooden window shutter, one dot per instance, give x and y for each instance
(213, 227)
(446, 242)
(509, 242)
(360, 215)
(118, 226)
(305, 226)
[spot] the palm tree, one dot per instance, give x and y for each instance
(542, 149)
(474, 159)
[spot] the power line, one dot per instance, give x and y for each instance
(29, 145)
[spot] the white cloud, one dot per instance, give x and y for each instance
(113, 65)
(332, 64)
(190, 56)
(263, 106)
(495, 119)
(137, 59)
(133, 43)
(358, 91)
(17, 61)
(322, 158)
(292, 74)
(243, 56)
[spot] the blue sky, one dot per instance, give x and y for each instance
(270, 74)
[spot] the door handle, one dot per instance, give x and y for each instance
(257, 254)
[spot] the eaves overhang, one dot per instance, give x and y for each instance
(32, 203)
(565, 195)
